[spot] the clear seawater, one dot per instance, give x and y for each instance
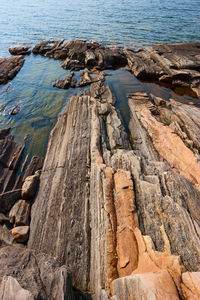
(125, 23)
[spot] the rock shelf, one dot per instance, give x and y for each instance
(114, 215)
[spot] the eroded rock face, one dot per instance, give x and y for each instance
(175, 64)
(132, 206)
(10, 289)
(9, 67)
(40, 275)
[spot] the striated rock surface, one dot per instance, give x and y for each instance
(9, 67)
(177, 65)
(40, 275)
(19, 213)
(122, 224)
(11, 289)
(10, 156)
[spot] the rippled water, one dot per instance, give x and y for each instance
(118, 21)
(141, 22)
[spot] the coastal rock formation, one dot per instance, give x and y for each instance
(10, 289)
(9, 67)
(79, 54)
(122, 223)
(66, 83)
(177, 65)
(19, 50)
(10, 156)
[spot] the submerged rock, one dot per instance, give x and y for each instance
(14, 111)
(9, 67)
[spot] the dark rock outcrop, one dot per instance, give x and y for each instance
(19, 50)
(66, 83)
(177, 65)
(79, 54)
(36, 164)
(10, 156)
(9, 67)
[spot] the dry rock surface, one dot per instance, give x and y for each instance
(135, 198)
(117, 214)
(177, 65)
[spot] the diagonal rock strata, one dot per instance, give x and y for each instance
(115, 209)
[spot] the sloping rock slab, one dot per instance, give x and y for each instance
(177, 65)
(9, 67)
(11, 289)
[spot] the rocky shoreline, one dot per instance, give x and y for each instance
(110, 214)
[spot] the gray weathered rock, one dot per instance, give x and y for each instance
(178, 65)
(10, 289)
(8, 199)
(42, 275)
(20, 213)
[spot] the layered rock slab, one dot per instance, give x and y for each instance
(95, 191)
(177, 65)
(60, 215)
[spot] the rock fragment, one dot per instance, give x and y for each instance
(20, 234)
(20, 213)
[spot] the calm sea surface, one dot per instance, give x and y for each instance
(135, 22)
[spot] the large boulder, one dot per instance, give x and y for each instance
(29, 187)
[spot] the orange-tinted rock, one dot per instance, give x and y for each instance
(127, 250)
(191, 285)
(148, 286)
(20, 234)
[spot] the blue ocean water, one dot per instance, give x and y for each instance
(141, 22)
(130, 22)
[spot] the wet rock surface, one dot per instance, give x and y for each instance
(9, 67)
(19, 50)
(177, 65)
(79, 54)
(67, 82)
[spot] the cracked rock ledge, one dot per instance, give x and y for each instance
(116, 216)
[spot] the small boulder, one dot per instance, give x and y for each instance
(8, 199)
(20, 234)
(29, 187)
(14, 111)
(20, 213)
(19, 50)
